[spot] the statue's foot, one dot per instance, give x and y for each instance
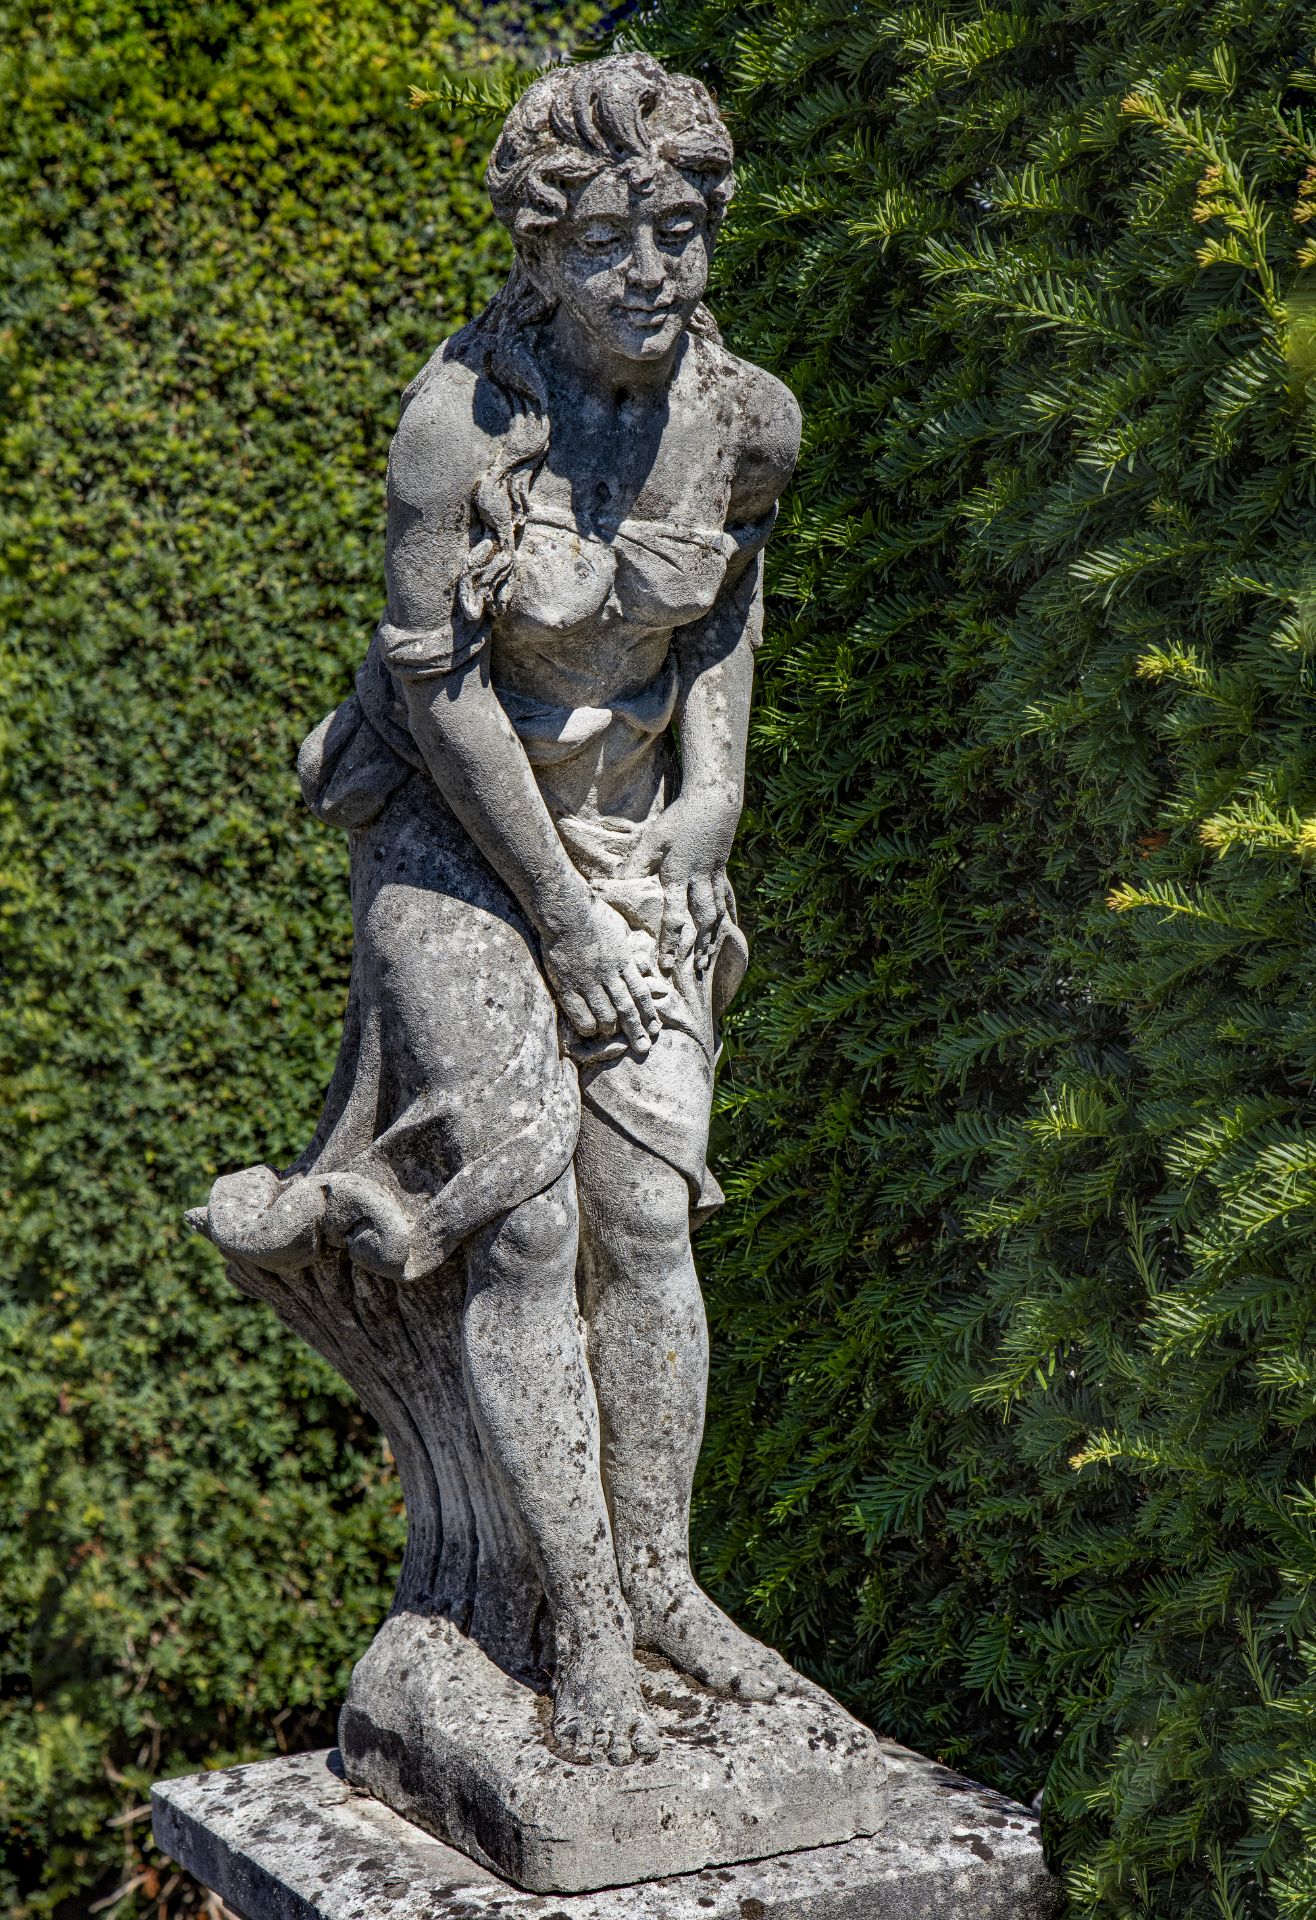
(682, 1624)
(598, 1711)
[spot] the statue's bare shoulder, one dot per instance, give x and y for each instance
(767, 426)
(451, 419)
(445, 441)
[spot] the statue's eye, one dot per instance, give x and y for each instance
(600, 239)
(672, 232)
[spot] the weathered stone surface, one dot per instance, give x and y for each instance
(489, 1233)
(289, 1839)
(540, 769)
(453, 1743)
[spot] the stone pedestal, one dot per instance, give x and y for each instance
(434, 1729)
(289, 1839)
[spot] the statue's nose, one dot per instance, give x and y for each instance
(646, 261)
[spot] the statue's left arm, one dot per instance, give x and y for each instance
(715, 659)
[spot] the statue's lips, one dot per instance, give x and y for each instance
(647, 316)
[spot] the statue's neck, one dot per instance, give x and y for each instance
(576, 362)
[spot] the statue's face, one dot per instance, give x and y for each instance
(630, 264)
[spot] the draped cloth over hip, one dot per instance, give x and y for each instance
(458, 1088)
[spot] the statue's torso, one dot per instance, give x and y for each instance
(624, 542)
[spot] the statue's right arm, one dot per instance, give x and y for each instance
(468, 744)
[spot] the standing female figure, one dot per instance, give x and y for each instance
(579, 492)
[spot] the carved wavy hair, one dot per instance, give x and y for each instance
(624, 112)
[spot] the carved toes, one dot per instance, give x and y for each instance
(598, 1714)
(748, 1683)
(644, 1739)
(584, 1741)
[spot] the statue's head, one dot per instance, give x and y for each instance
(612, 178)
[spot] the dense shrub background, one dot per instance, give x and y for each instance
(227, 246)
(1014, 1360)
(1014, 1342)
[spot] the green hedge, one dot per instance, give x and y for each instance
(1015, 1369)
(227, 246)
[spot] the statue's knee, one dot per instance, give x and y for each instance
(540, 1232)
(648, 1224)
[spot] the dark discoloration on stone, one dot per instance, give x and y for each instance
(464, 1751)
(330, 1854)
(489, 1234)
(544, 944)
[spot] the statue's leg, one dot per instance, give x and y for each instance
(648, 1354)
(534, 1408)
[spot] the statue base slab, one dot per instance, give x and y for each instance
(439, 1733)
(290, 1839)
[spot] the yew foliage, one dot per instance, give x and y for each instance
(1015, 1373)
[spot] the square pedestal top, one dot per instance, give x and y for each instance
(289, 1839)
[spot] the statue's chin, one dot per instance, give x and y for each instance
(642, 343)
(648, 344)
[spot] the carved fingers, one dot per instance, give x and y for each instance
(577, 1010)
(693, 912)
(677, 936)
(623, 1000)
(599, 984)
(710, 901)
(600, 1005)
(636, 1011)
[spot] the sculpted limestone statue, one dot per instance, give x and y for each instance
(540, 772)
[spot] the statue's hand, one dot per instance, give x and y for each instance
(687, 847)
(599, 984)
(700, 905)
